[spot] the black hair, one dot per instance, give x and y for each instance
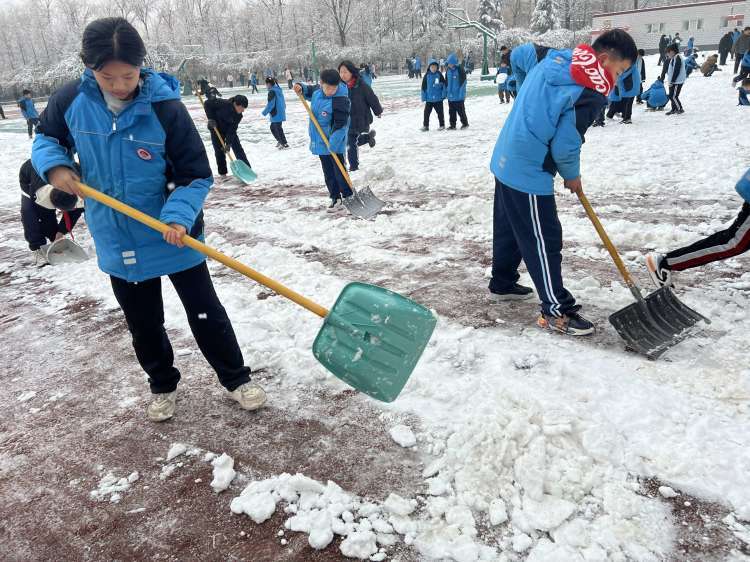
(673, 48)
(111, 39)
(503, 47)
(330, 77)
(746, 29)
(349, 66)
(641, 52)
(271, 80)
(618, 42)
(25, 92)
(239, 100)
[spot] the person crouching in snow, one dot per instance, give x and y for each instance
(744, 92)
(137, 142)
(38, 213)
(730, 242)
(710, 65)
(433, 94)
(656, 96)
(276, 111)
(225, 115)
(455, 88)
(364, 103)
(331, 107)
(542, 137)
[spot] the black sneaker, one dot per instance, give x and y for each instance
(465, 126)
(371, 139)
(515, 293)
(680, 112)
(660, 275)
(570, 324)
(442, 128)
(334, 202)
(670, 112)
(451, 128)
(424, 129)
(626, 122)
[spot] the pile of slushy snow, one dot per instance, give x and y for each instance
(112, 486)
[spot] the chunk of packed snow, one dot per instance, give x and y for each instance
(397, 505)
(223, 472)
(403, 435)
(111, 485)
(26, 396)
(176, 450)
(667, 492)
(498, 513)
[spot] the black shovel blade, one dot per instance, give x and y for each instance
(364, 204)
(657, 323)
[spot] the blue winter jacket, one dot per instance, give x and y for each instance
(510, 84)
(656, 95)
(134, 157)
(332, 113)
(743, 186)
(524, 58)
(745, 61)
(27, 108)
(690, 64)
(433, 84)
(629, 82)
(743, 97)
(417, 64)
(253, 80)
(455, 79)
(544, 132)
(735, 36)
(276, 106)
(366, 77)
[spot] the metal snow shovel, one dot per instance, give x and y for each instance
(364, 203)
(239, 169)
(371, 339)
(653, 324)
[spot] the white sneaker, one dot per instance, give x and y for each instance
(249, 396)
(661, 276)
(162, 407)
(40, 256)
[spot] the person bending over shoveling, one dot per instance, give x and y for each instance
(542, 137)
(225, 115)
(722, 245)
(331, 107)
(153, 145)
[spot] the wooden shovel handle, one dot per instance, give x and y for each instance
(605, 239)
(218, 134)
(325, 140)
(198, 246)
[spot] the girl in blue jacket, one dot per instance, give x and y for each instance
(433, 93)
(29, 112)
(276, 111)
(137, 143)
(331, 107)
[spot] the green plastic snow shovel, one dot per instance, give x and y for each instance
(371, 339)
(240, 170)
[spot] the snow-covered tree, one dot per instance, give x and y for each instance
(544, 17)
(490, 14)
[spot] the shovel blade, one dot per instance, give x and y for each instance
(658, 323)
(65, 250)
(243, 172)
(364, 204)
(373, 338)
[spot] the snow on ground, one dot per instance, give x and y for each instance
(531, 446)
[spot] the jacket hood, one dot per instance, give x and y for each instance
(557, 69)
(155, 86)
(452, 59)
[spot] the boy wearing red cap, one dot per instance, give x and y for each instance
(542, 137)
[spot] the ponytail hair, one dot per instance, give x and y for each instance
(270, 80)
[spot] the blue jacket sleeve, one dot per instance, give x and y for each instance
(341, 110)
(308, 90)
(189, 170)
(271, 102)
(565, 147)
(743, 186)
(53, 144)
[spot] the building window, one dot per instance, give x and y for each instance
(700, 24)
(662, 27)
(686, 25)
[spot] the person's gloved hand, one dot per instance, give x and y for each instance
(211, 124)
(226, 147)
(62, 200)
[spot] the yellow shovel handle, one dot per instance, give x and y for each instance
(325, 140)
(198, 246)
(218, 134)
(606, 240)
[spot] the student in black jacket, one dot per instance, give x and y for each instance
(225, 115)
(364, 103)
(725, 47)
(38, 216)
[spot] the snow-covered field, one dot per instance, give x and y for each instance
(507, 444)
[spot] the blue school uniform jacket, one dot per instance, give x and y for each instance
(133, 157)
(543, 134)
(27, 108)
(743, 99)
(433, 84)
(524, 58)
(656, 95)
(743, 186)
(745, 60)
(332, 113)
(276, 106)
(455, 79)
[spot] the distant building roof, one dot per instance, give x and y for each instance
(672, 7)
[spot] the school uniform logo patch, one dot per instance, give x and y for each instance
(144, 154)
(324, 113)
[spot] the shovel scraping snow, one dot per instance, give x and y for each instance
(651, 325)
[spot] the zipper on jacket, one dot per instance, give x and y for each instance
(114, 122)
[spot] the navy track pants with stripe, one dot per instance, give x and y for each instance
(526, 227)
